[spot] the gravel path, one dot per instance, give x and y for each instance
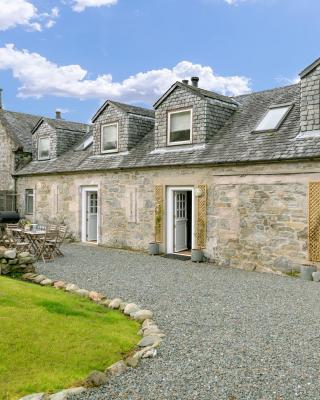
(231, 334)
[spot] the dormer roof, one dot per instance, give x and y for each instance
(129, 109)
(60, 124)
(309, 68)
(198, 91)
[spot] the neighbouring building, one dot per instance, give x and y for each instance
(238, 176)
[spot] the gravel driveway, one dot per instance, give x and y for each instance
(230, 334)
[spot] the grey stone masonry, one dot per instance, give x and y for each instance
(44, 130)
(310, 101)
(61, 140)
(131, 127)
(209, 115)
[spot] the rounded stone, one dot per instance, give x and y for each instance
(39, 278)
(115, 303)
(46, 282)
(82, 292)
(149, 341)
(71, 287)
(131, 308)
(95, 296)
(142, 315)
(96, 378)
(59, 285)
(117, 368)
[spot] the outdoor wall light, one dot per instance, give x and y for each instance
(198, 192)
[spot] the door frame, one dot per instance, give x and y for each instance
(170, 215)
(84, 192)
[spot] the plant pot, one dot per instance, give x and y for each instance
(306, 272)
(196, 255)
(153, 249)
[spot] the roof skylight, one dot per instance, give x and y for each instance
(273, 118)
(85, 144)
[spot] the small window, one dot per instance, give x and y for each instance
(29, 201)
(43, 148)
(180, 127)
(273, 118)
(85, 144)
(109, 138)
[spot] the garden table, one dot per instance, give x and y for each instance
(35, 239)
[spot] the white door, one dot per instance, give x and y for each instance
(180, 221)
(92, 216)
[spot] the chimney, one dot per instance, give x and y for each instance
(185, 81)
(195, 81)
(1, 90)
(58, 114)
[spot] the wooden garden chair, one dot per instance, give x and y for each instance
(15, 241)
(47, 246)
(62, 232)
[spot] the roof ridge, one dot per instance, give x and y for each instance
(266, 90)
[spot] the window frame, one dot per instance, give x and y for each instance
(272, 107)
(29, 195)
(101, 138)
(39, 140)
(169, 143)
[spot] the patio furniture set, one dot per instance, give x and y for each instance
(42, 241)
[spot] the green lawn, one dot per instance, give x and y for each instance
(50, 340)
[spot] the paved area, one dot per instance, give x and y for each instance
(231, 334)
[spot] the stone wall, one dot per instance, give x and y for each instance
(209, 115)
(131, 128)
(310, 101)
(256, 216)
(6, 160)
(44, 131)
(12, 262)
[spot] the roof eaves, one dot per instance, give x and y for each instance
(41, 120)
(309, 68)
(172, 88)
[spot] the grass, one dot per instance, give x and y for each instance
(51, 340)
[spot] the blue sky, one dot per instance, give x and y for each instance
(74, 54)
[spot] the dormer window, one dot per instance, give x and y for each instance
(109, 138)
(179, 127)
(274, 117)
(43, 148)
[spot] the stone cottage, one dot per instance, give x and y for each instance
(238, 177)
(16, 146)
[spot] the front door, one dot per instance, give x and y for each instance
(92, 216)
(180, 221)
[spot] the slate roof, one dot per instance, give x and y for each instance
(195, 90)
(19, 126)
(234, 143)
(127, 108)
(62, 124)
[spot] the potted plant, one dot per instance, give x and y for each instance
(154, 246)
(197, 255)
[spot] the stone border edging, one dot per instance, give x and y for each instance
(146, 348)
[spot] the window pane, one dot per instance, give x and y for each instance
(272, 119)
(180, 126)
(110, 138)
(29, 201)
(44, 148)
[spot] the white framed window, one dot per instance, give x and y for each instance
(273, 118)
(109, 138)
(29, 201)
(43, 148)
(179, 127)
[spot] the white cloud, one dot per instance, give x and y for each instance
(22, 12)
(39, 77)
(81, 5)
(237, 2)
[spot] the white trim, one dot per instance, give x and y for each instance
(101, 137)
(170, 215)
(179, 149)
(84, 191)
(43, 158)
(169, 123)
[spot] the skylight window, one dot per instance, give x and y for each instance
(273, 118)
(85, 144)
